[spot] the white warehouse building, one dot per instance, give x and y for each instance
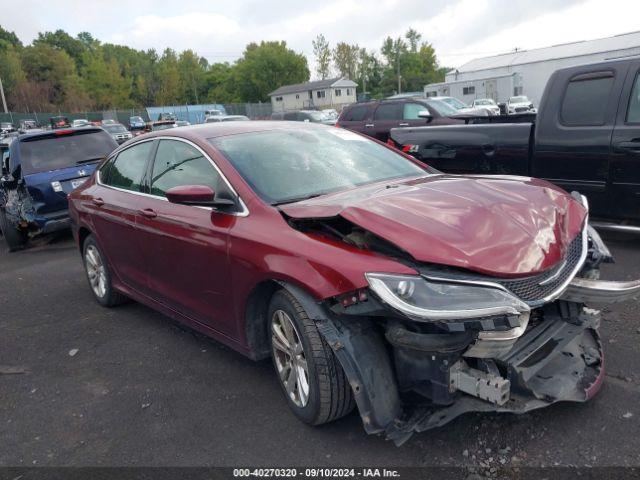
(526, 72)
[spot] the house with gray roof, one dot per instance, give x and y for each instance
(321, 94)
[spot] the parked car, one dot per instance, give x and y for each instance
(519, 104)
(368, 277)
(80, 122)
(487, 104)
(119, 133)
(585, 138)
(28, 125)
(313, 116)
(330, 113)
(108, 121)
(377, 118)
(136, 123)
(182, 123)
(6, 127)
(38, 174)
(460, 106)
(227, 118)
(166, 116)
(160, 125)
(217, 110)
(59, 122)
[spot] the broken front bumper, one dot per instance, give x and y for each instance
(558, 358)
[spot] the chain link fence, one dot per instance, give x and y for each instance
(190, 113)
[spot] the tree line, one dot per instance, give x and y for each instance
(60, 72)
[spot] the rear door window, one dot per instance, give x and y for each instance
(388, 111)
(127, 169)
(177, 163)
(586, 99)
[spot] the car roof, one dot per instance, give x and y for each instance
(205, 131)
(49, 133)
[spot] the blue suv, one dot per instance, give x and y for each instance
(38, 173)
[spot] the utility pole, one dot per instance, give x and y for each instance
(4, 101)
(398, 65)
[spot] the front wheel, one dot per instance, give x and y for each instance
(310, 375)
(98, 274)
(15, 238)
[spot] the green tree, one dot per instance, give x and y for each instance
(267, 66)
(61, 40)
(9, 37)
(102, 78)
(346, 59)
(192, 70)
(322, 52)
(169, 91)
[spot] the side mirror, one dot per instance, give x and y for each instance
(426, 115)
(199, 195)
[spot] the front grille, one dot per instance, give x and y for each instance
(530, 289)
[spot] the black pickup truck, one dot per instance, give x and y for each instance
(586, 137)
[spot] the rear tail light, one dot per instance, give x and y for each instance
(63, 132)
(391, 143)
(337, 124)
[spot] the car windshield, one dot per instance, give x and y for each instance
(284, 166)
(518, 99)
(41, 154)
(115, 128)
(442, 108)
(454, 102)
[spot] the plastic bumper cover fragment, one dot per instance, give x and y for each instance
(555, 361)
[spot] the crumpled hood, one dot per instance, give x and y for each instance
(497, 225)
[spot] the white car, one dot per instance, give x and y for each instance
(80, 122)
(460, 106)
(330, 113)
(486, 104)
(520, 104)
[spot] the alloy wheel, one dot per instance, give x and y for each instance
(290, 359)
(96, 271)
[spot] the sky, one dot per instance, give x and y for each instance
(459, 30)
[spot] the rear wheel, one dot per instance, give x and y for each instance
(310, 375)
(15, 238)
(98, 274)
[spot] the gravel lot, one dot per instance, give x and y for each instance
(83, 385)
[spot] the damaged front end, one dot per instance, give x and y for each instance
(421, 350)
(18, 205)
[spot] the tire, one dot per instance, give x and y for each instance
(99, 274)
(15, 239)
(328, 393)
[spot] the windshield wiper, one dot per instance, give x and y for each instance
(298, 199)
(89, 160)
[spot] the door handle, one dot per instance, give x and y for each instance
(369, 125)
(633, 146)
(403, 124)
(98, 202)
(148, 213)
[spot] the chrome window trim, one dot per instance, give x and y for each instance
(243, 213)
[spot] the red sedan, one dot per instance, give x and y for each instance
(368, 278)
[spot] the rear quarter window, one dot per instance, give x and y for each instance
(586, 99)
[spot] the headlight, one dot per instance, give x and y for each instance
(424, 300)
